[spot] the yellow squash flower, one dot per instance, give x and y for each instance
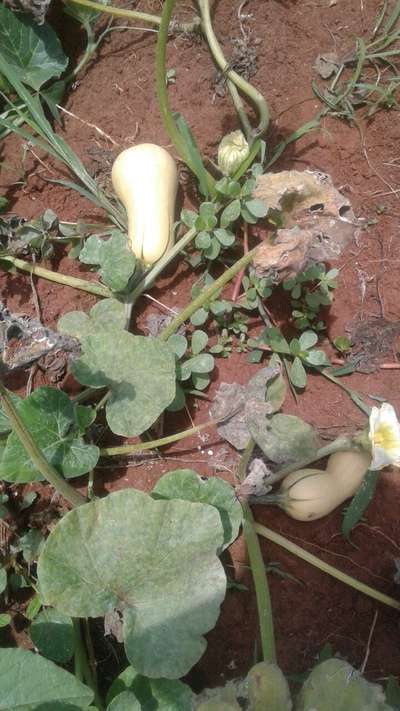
(384, 435)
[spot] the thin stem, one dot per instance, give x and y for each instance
(79, 651)
(184, 27)
(325, 567)
(125, 449)
(341, 444)
(253, 94)
(206, 295)
(35, 454)
(83, 670)
(150, 277)
(62, 279)
(257, 566)
(351, 393)
(120, 12)
(162, 93)
(90, 485)
(240, 110)
(90, 667)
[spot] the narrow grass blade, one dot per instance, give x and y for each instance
(359, 503)
(278, 150)
(194, 153)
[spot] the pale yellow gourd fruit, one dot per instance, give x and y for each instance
(309, 494)
(145, 179)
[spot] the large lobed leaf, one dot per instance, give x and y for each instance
(138, 370)
(55, 424)
(33, 51)
(114, 257)
(186, 484)
(160, 694)
(154, 561)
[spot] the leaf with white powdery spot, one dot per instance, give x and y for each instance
(138, 370)
(285, 438)
(186, 484)
(168, 585)
(107, 313)
(114, 257)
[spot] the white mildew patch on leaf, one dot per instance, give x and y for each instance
(138, 370)
(154, 561)
(186, 484)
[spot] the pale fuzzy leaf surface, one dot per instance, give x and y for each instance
(50, 417)
(160, 694)
(186, 484)
(138, 370)
(126, 701)
(52, 634)
(115, 259)
(107, 313)
(20, 690)
(285, 438)
(155, 561)
(33, 51)
(335, 684)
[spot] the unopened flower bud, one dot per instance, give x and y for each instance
(232, 151)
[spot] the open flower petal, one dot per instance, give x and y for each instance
(384, 434)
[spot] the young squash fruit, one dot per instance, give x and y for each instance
(145, 179)
(309, 494)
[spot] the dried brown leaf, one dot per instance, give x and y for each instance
(318, 222)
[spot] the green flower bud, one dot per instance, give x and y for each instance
(232, 151)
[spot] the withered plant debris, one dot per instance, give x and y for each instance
(101, 163)
(315, 222)
(258, 481)
(243, 62)
(21, 237)
(326, 64)
(372, 341)
(37, 8)
(24, 340)
(234, 404)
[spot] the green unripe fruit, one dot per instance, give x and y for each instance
(268, 689)
(335, 685)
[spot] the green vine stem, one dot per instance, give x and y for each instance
(150, 277)
(126, 449)
(235, 79)
(325, 567)
(63, 279)
(257, 566)
(90, 672)
(184, 27)
(35, 454)
(119, 12)
(341, 444)
(206, 295)
(82, 668)
(162, 93)
(79, 651)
